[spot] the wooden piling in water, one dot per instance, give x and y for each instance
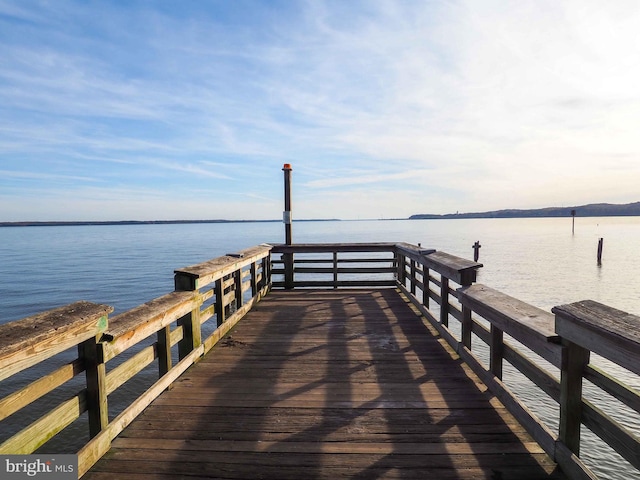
(600, 245)
(476, 251)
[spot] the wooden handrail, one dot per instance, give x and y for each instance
(587, 327)
(460, 270)
(529, 325)
(133, 326)
(609, 332)
(29, 341)
(232, 276)
(202, 274)
(333, 247)
(295, 275)
(565, 341)
(32, 340)
(173, 320)
(457, 269)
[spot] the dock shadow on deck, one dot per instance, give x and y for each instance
(327, 384)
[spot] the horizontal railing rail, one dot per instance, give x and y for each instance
(169, 326)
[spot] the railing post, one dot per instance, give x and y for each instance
(266, 271)
(190, 323)
(164, 350)
(288, 270)
(444, 301)
(413, 277)
(496, 351)
(467, 321)
(395, 264)
(574, 360)
(335, 269)
(237, 286)
(425, 286)
(467, 327)
(191, 337)
(219, 293)
(95, 370)
(254, 279)
(402, 269)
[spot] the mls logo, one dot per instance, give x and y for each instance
(56, 467)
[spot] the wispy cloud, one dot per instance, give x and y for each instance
(359, 178)
(190, 168)
(44, 176)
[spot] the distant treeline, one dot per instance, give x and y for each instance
(592, 210)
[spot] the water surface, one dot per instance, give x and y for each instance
(536, 260)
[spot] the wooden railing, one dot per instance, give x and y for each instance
(218, 288)
(442, 287)
(563, 341)
(334, 265)
(29, 342)
(587, 327)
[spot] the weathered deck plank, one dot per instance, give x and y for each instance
(327, 384)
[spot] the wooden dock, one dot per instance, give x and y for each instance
(394, 370)
(327, 384)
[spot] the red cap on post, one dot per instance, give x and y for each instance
(287, 166)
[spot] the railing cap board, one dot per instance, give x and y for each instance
(604, 330)
(160, 311)
(460, 270)
(413, 251)
(334, 247)
(26, 342)
(197, 276)
(522, 321)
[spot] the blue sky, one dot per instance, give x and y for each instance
(114, 110)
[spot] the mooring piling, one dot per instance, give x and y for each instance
(600, 245)
(476, 251)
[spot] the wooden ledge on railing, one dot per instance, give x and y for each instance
(609, 332)
(333, 247)
(29, 341)
(413, 252)
(132, 326)
(168, 307)
(529, 325)
(522, 321)
(195, 277)
(460, 270)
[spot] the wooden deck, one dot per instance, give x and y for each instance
(327, 384)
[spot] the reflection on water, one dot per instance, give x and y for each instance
(536, 260)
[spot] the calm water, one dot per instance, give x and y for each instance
(536, 260)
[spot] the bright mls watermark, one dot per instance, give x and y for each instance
(50, 467)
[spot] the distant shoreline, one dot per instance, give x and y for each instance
(591, 210)
(144, 222)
